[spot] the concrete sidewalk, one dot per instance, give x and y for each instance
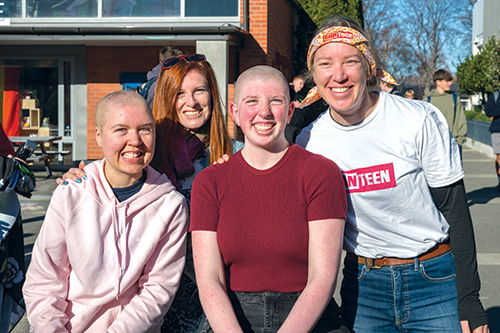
(484, 202)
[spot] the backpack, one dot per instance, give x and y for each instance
(144, 88)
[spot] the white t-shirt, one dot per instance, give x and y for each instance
(388, 161)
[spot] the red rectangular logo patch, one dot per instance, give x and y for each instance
(374, 178)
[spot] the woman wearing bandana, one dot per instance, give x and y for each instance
(407, 206)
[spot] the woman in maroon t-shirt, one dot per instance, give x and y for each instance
(267, 225)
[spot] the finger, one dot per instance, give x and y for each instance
(61, 181)
(465, 326)
(482, 329)
(81, 165)
(225, 157)
(75, 174)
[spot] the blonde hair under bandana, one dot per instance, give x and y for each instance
(348, 36)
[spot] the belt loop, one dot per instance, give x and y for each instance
(416, 264)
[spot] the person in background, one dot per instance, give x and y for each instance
(111, 251)
(492, 109)
(407, 202)
(267, 225)
(388, 87)
(297, 90)
(301, 116)
(410, 94)
(167, 52)
(191, 135)
(449, 104)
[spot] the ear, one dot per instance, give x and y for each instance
(98, 136)
(233, 109)
(291, 108)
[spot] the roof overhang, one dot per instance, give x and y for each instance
(116, 34)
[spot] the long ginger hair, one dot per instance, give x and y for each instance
(167, 121)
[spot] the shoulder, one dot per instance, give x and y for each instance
(313, 163)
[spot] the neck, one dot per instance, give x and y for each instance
(263, 159)
(121, 180)
(367, 106)
(440, 90)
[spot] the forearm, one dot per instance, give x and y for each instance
(218, 307)
(452, 202)
(309, 306)
(325, 249)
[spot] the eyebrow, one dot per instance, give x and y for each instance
(127, 126)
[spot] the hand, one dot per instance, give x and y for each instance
(16, 158)
(480, 329)
(75, 174)
(297, 104)
(222, 160)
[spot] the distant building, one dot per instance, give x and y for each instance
(485, 24)
(67, 54)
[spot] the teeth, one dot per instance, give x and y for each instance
(262, 127)
(131, 155)
(339, 90)
(191, 113)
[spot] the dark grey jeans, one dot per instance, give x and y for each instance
(265, 313)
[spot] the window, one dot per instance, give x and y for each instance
(118, 8)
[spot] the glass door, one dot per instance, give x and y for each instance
(35, 98)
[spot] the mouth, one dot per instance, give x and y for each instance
(263, 127)
(339, 90)
(192, 113)
(132, 155)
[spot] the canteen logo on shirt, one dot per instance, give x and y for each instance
(374, 178)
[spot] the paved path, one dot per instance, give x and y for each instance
(484, 202)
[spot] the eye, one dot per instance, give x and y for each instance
(277, 101)
(251, 101)
(146, 129)
(200, 91)
(352, 62)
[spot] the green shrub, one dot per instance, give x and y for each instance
(477, 115)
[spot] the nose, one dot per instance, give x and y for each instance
(265, 110)
(134, 138)
(191, 100)
(338, 73)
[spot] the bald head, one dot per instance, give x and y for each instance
(267, 74)
(115, 101)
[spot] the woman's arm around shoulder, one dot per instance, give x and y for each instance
(210, 276)
(325, 249)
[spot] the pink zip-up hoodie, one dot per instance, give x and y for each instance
(100, 265)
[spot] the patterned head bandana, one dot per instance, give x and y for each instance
(348, 36)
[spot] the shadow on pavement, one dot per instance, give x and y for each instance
(483, 195)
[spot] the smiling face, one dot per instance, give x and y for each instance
(127, 139)
(340, 72)
(262, 110)
(194, 103)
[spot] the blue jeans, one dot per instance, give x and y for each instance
(417, 297)
(265, 312)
